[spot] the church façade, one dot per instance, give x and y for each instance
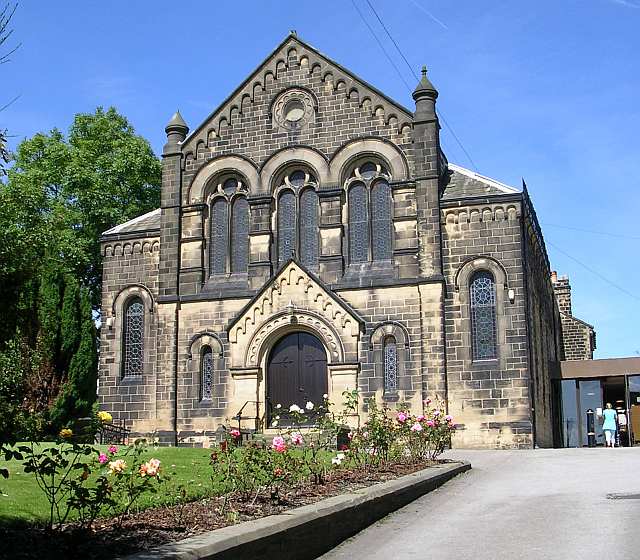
(312, 238)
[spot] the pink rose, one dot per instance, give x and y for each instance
(296, 438)
(402, 417)
(420, 418)
(112, 449)
(431, 423)
(417, 427)
(427, 401)
(235, 433)
(448, 418)
(102, 459)
(278, 444)
(436, 413)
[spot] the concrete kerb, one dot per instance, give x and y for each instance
(309, 531)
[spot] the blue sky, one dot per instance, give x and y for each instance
(546, 90)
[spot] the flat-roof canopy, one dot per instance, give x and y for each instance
(599, 368)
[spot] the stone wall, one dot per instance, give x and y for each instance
(579, 338)
(130, 269)
(545, 334)
(490, 398)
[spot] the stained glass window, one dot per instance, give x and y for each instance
(240, 235)
(219, 237)
(381, 220)
(368, 170)
(390, 364)
(483, 316)
(230, 186)
(358, 224)
(286, 226)
(133, 338)
(206, 374)
(309, 228)
(297, 178)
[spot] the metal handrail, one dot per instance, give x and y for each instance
(256, 418)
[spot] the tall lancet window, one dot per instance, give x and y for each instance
(229, 228)
(240, 235)
(390, 365)
(287, 234)
(381, 221)
(370, 213)
(206, 374)
(309, 245)
(219, 231)
(133, 338)
(358, 224)
(483, 316)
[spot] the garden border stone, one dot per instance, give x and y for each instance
(309, 531)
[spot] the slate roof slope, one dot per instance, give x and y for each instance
(464, 183)
(147, 222)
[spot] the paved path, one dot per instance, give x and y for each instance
(542, 504)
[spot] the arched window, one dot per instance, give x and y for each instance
(229, 228)
(240, 235)
(287, 234)
(482, 290)
(297, 217)
(358, 224)
(381, 220)
(390, 364)
(370, 214)
(133, 338)
(309, 246)
(206, 374)
(219, 236)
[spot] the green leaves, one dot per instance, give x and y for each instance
(63, 192)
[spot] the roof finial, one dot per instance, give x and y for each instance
(293, 32)
(424, 70)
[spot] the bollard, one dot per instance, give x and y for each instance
(591, 428)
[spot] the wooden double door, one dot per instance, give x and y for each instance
(296, 374)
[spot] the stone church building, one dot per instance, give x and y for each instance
(312, 238)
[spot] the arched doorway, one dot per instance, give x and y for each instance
(296, 374)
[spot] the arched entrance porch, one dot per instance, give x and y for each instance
(296, 374)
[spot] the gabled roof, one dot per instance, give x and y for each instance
(315, 56)
(147, 222)
(466, 183)
(275, 279)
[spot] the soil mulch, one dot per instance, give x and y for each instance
(153, 527)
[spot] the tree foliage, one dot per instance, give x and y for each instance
(62, 193)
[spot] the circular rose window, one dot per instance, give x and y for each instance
(294, 110)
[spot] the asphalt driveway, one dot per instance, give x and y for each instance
(535, 504)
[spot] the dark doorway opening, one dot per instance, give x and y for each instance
(296, 374)
(614, 392)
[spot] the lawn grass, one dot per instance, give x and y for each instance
(22, 500)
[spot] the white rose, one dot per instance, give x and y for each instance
(340, 456)
(325, 396)
(309, 405)
(278, 406)
(274, 423)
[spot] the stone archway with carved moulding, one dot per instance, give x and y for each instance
(387, 151)
(294, 300)
(290, 156)
(293, 320)
(230, 164)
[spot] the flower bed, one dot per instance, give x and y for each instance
(102, 490)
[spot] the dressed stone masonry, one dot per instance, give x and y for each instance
(312, 237)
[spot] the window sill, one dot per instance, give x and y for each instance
(391, 397)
